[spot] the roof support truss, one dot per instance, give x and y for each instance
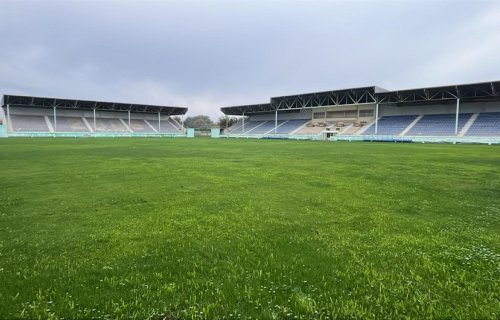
(40, 102)
(369, 95)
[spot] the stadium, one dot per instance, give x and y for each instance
(26, 116)
(468, 113)
(210, 228)
(454, 113)
(353, 201)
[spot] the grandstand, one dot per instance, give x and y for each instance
(467, 112)
(39, 116)
(455, 113)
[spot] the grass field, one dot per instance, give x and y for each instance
(240, 229)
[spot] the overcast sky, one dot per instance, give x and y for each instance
(207, 54)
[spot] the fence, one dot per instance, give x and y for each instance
(98, 134)
(421, 139)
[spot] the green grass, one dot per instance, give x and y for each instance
(240, 229)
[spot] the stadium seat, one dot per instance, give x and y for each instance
(139, 125)
(249, 125)
(486, 125)
(69, 124)
(266, 127)
(28, 123)
(165, 126)
(108, 125)
(438, 125)
(291, 125)
(391, 125)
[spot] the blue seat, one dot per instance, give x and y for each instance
(438, 125)
(391, 125)
(291, 125)
(266, 127)
(486, 125)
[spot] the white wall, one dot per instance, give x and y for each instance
(307, 113)
(353, 108)
(440, 108)
(303, 114)
(386, 110)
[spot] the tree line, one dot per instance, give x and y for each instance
(203, 121)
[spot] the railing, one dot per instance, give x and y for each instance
(321, 136)
(95, 134)
(421, 139)
(275, 136)
(371, 138)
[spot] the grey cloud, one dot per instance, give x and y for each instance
(206, 54)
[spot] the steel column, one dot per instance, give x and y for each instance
(95, 126)
(55, 120)
(376, 118)
(243, 126)
(9, 124)
(159, 122)
(276, 122)
(129, 127)
(456, 116)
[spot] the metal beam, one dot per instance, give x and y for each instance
(55, 120)
(41, 102)
(129, 127)
(456, 116)
(9, 124)
(276, 122)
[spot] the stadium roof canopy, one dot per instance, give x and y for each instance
(42, 102)
(371, 95)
